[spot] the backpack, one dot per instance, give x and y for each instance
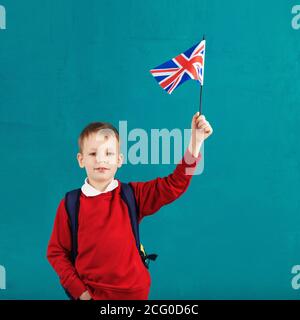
(72, 203)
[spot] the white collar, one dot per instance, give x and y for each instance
(90, 191)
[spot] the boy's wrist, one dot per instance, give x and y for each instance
(194, 148)
(76, 288)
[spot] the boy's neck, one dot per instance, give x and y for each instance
(100, 186)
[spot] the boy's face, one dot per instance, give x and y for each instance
(100, 156)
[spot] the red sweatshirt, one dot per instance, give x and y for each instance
(108, 264)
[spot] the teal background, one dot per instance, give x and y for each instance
(235, 233)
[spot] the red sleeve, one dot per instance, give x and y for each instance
(58, 254)
(152, 195)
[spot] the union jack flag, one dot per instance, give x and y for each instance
(186, 66)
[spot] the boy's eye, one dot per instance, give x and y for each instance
(92, 153)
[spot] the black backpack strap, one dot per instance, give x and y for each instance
(72, 207)
(72, 204)
(127, 194)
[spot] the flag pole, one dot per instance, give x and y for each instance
(200, 106)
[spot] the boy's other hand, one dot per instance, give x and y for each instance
(85, 296)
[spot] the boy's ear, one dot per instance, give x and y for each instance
(120, 160)
(80, 160)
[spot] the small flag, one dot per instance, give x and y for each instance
(186, 66)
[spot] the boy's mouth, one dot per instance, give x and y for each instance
(101, 169)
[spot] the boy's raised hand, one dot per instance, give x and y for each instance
(201, 130)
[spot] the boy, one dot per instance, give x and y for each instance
(108, 265)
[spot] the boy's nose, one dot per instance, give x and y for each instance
(100, 159)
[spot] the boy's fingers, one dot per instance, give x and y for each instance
(196, 115)
(204, 125)
(208, 129)
(201, 119)
(201, 122)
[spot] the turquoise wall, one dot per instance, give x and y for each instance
(235, 234)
